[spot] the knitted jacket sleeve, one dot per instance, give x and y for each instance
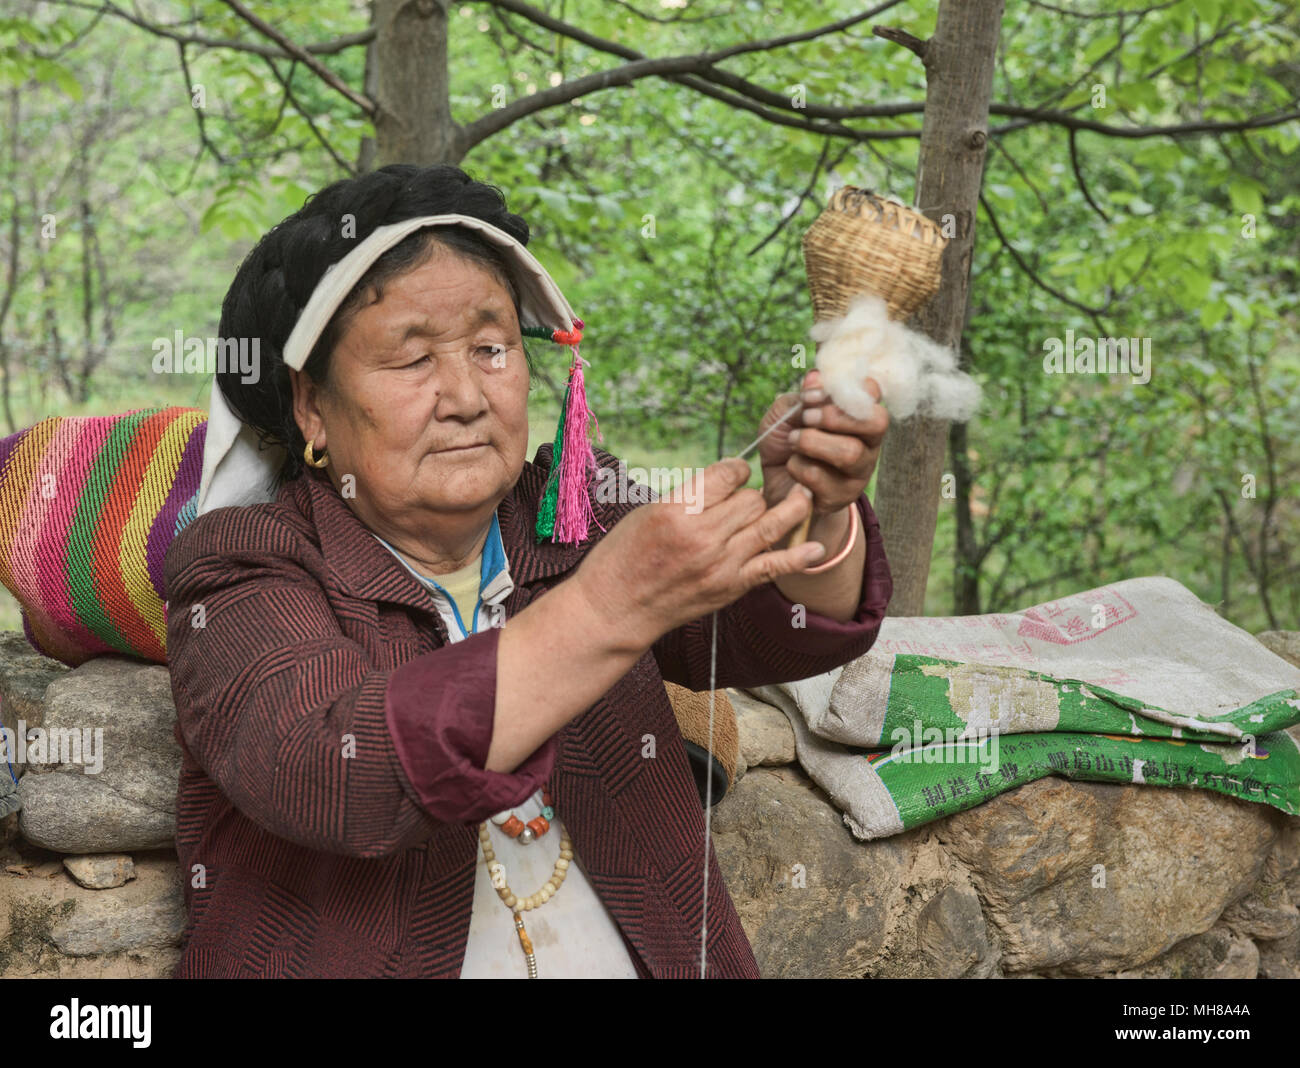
(292, 719)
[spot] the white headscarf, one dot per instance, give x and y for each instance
(236, 471)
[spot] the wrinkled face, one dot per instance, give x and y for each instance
(427, 402)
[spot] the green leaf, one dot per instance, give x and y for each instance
(1196, 286)
(610, 207)
(1245, 197)
(1212, 314)
(1245, 315)
(1099, 47)
(1158, 155)
(46, 70)
(559, 268)
(553, 199)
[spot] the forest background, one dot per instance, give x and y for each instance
(1139, 181)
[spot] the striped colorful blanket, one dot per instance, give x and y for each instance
(88, 507)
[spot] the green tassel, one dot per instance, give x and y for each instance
(550, 499)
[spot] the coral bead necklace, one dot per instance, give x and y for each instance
(497, 871)
(525, 833)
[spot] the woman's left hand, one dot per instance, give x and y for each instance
(822, 448)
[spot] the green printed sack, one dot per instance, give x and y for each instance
(937, 778)
(901, 736)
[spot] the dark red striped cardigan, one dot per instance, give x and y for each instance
(301, 861)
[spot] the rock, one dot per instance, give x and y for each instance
(1090, 878)
(932, 930)
(1241, 962)
(71, 813)
(1284, 862)
(102, 872)
(114, 921)
(1286, 643)
(766, 737)
(54, 928)
(953, 937)
(46, 869)
(1265, 912)
(1216, 954)
(1280, 959)
(24, 676)
(10, 803)
(813, 901)
(125, 714)
(1055, 878)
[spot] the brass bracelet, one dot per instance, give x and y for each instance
(838, 558)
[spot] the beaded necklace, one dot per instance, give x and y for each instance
(497, 871)
(516, 828)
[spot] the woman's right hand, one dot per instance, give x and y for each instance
(668, 563)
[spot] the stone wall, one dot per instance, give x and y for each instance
(89, 886)
(1052, 879)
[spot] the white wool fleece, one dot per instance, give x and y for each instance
(916, 375)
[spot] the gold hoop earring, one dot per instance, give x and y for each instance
(307, 454)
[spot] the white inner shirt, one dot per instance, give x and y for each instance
(573, 934)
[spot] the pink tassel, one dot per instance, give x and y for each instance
(573, 512)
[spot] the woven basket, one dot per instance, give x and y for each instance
(863, 243)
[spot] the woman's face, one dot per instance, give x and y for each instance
(426, 404)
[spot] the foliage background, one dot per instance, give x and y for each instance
(672, 223)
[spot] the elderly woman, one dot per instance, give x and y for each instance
(418, 740)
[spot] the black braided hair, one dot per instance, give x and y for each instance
(277, 278)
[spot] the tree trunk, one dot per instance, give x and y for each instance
(11, 271)
(411, 84)
(959, 62)
(966, 557)
(368, 152)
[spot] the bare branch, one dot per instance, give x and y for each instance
(1070, 122)
(204, 140)
(1078, 177)
(1103, 14)
(671, 19)
(1015, 596)
(321, 48)
(721, 77)
(523, 39)
(701, 84)
(695, 75)
(902, 37)
(807, 192)
(305, 58)
(287, 84)
(1033, 275)
(500, 118)
(1042, 200)
(575, 33)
